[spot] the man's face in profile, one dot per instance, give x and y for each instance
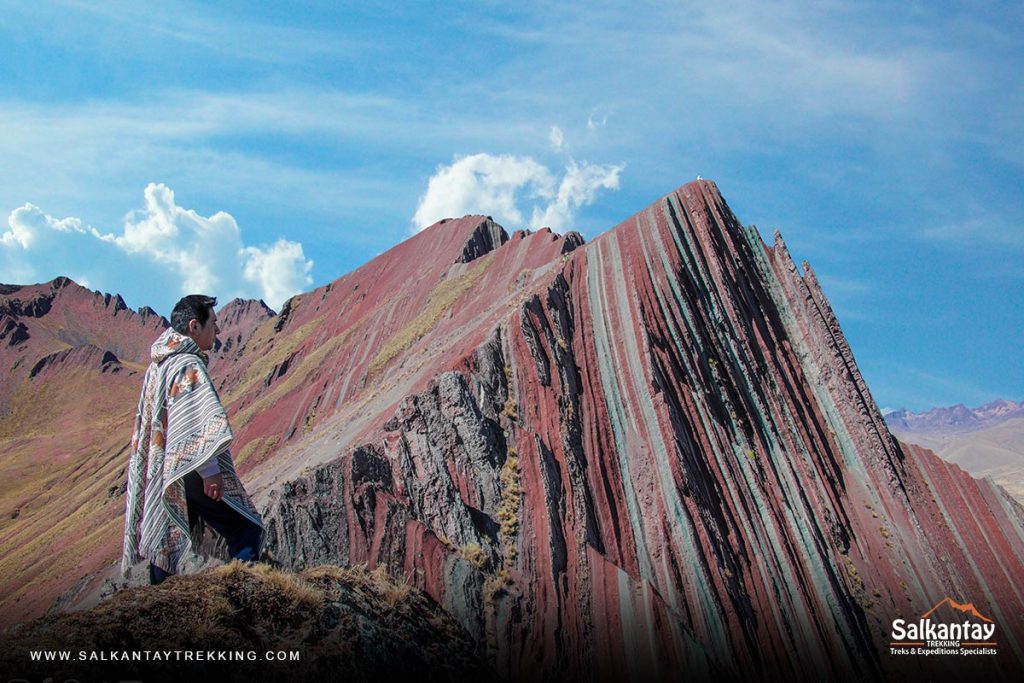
(205, 335)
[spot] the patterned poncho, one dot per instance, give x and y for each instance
(179, 425)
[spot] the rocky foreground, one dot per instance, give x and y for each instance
(344, 624)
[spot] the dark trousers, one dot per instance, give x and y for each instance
(242, 536)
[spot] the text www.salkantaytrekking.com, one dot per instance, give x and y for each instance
(163, 656)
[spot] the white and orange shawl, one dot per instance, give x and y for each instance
(180, 424)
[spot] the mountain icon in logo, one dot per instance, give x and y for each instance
(967, 608)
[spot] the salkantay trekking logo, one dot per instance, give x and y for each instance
(947, 633)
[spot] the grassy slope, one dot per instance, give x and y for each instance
(62, 458)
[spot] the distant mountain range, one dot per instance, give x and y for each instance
(958, 419)
(987, 441)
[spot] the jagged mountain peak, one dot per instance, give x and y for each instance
(998, 408)
(237, 320)
(485, 238)
(62, 311)
(36, 300)
(238, 307)
(59, 322)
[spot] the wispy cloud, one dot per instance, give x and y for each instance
(733, 72)
(983, 231)
(909, 385)
(798, 56)
(232, 140)
(504, 185)
(150, 28)
(79, 154)
(556, 138)
(968, 392)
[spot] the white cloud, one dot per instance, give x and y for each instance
(208, 254)
(501, 185)
(483, 183)
(28, 224)
(19, 233)
(578, 188)
(557, 138)
(279, 271)
(32, 232)
(204, 254)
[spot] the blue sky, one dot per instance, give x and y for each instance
(262, 151)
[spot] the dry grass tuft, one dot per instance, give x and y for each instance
(511, 497)
(497, 585)
(510, 409)
(394, 591)
(474, 554)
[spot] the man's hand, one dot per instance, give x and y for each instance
(213, 487)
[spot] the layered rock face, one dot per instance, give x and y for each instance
(650, 454)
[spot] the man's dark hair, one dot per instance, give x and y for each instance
(192, 307)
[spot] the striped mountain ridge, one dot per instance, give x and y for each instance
(648, 454)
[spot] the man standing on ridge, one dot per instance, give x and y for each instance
(181, 470)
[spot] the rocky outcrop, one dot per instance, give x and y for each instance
(378, 334)
(69, 360)
(451, 452)
(13, 332)
(237, 321)
(487, 237)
